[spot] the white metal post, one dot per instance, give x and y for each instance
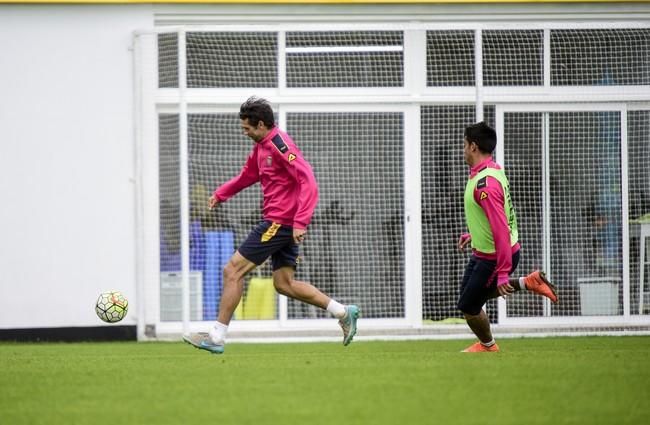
(282, 61)
(415, 62)
(547, 58)
(412, 217)
(184, 177)
(147, 213)
(546, 205)
(136, 52)
(625, 225)
(478, 70)
(502, 307)
(415, 73)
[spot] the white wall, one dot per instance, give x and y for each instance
(67, 228)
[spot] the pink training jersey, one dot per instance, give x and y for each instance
(288, 184)
(493, 205)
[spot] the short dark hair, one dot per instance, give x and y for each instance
(256, 109)
(483, 135)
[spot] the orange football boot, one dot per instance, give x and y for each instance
(477, 347)
(537, 283)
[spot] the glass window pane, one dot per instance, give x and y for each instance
(513, 58)
(345, 59)
(600, 57)
(231, 59)
(168, 60)
(355, 248)
(450, 58)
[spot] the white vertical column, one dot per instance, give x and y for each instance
(184, 176)
(502, 311)
(415, 73)
(146, 185)
(282, 61)
(136, 51)
(625, 214)
(412, 216)
(546, 195)
(415, 62)
(547, 58)
(546, 202)
(478, 71)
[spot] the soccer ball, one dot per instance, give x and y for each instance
(111, 306)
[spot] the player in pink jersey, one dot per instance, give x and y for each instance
(493, 237)
(290, 194)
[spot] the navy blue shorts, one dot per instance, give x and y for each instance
(269, 239)
(479, 282)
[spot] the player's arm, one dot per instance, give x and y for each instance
(308, 197)
(490, 197)
(249, 175)
(302, 172)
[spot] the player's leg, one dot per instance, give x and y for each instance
(474, 293)
(480, 324)
(535, 282)
(538, 283)
(284, 266)
(253, 252)
(285, 284)
(233, 286)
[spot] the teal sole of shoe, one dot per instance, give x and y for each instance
(208, 349)
(353, 331)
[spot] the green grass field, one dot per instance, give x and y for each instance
(595, 380)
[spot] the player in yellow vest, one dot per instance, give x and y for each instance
(493, 236)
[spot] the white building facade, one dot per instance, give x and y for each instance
(117, 120)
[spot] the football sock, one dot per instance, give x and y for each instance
(336, 309)
(488, 344)
(522, 284)
(218, 333)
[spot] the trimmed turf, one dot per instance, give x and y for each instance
(596, 380)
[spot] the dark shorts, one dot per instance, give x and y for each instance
(479, 282)
(269, 239)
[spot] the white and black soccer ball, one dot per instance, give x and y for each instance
(111, 306)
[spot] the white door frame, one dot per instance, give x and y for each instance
(412, 228)
(546, 108)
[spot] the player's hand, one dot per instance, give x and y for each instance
(464, 239)
(505, 290)
(213, 202)
(299, 235)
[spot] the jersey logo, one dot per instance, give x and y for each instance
(270, 232)
(481, 183)
(291, 157)
(483, 196)
(279, 143)
(269, 161)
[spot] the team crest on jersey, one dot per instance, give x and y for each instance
(291, 157)
(269, 161)
(483, 196)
